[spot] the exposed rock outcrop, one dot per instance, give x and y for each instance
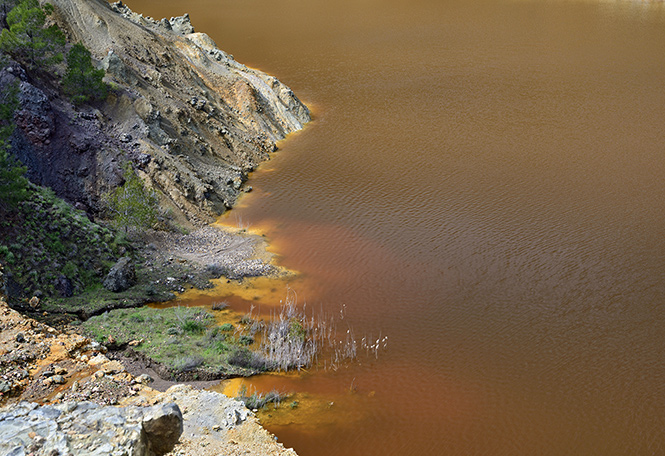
(65, 150)
(85, 428)
(121, 276)
(215, 424)
(192, 119)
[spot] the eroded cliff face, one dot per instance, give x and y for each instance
(191, 119)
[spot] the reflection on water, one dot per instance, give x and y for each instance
(483, 183)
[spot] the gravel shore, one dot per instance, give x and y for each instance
(214, 251)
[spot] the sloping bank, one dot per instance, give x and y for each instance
(193, 123)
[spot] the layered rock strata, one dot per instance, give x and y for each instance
(191, 119)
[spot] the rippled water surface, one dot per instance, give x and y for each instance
(482, 183)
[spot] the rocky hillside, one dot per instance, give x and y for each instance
(189, 120)
(187, 115)
(192, 122)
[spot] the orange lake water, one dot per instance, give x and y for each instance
(483, 184)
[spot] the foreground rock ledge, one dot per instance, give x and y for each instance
(73, 428)
(217, 425)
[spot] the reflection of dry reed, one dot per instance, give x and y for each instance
(256, 400)
(242, 226)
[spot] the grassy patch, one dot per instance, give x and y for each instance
(53, 251)
(95, 300)
(227, 327)
(183, 339)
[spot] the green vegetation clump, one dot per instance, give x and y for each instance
(82, 81)
(256, 401)
(183, 339)
(193, 327)
(28, 39)
(132, 205)
(49, 246)
(13, 183)
(245, 340)
(45, 244)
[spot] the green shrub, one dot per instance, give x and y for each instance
(188, 363)
(132, 205)
(227, 327)
(259, 400)
(137, 318)
(220, 347)
(13, 183)
(70, 270)
(173, 331)
(193, 327)
(245, 340)
(296, 330)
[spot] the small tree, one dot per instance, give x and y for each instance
(132, 205)
(83, 82)
(28, 39)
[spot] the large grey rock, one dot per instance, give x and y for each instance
(207, 410)
(163, 425)
(84, 428)
(121, 276)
